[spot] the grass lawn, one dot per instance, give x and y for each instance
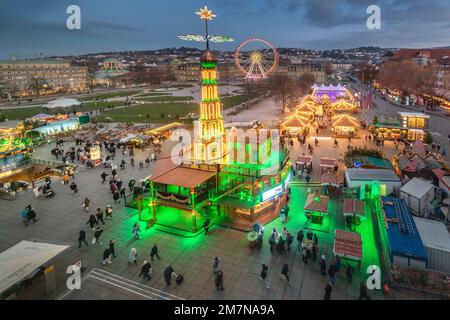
(150, 112)
(110, 95)
(21, 113)
(229, 102)
(91, 106)
(168, 98)
(152, 94)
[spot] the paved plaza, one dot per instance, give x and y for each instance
(62, 217)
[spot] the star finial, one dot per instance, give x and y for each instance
(206, 14)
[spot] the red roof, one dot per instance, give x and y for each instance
(413, 53)
(354, 206)
(330, 178)
(327, 162)
(304, 160)
(320, 206)
(347, 244)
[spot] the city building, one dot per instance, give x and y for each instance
(109, 74)
(189, 72)
(298, 70)
(27, 77)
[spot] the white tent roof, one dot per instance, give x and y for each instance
(61, 103)
(417, 187)
(359, 174)
(19, 261)
(434, 234)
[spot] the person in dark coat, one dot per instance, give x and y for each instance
(98, 232)
(82, 238)
(285, 271)
(263, 275)
(73, 187)
(92, 221)
(154, 251)
(146, 271)
(363, 292)
(219, 280)
(116, 197)
(328, 289)
(112, 248)
(99, 216)
(103, 176)
(122, 192)
(323, 265)
(168, 275)
(349, 273)
(107, 256)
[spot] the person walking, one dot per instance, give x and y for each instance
(323, 265)
(31, 214)
(154, 251)
(289, 240)
(285, 271)
(116, 197)
(92, 222)
(332, 275)
(82, 238)
(328, 290)
(112, 248)
(108, 212)
(363, 292)
(107, 256)
(132, 256)
(136, 230)
(147, 162)
(349, 273)
(263, 275)
(168, 274)
(337, 266)
(141, 165)
(216, 265)
(73, 187)
(122, 192)
(219, 280)
(86, 204)
(146, 271)
(97, 234)
(131, 184)
(99, 216)
(103, 176)
(132, 162)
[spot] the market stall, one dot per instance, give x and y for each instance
(329, 179)
(347, 245)
(327, 164)
(354, 212)
(295, 124)
(344, 126)
(304, 162)
(316, 207)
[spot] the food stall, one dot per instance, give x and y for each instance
(354, 211)
(316, 207)
(305, 162)
(327, 164)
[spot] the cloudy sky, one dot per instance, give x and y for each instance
(29, 27)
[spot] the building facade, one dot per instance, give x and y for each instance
(26, 77)
(190, 72)
(297, 70)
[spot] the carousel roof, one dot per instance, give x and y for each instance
(344, 120)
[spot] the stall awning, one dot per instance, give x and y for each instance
(182, 176)
(347, 244)
(19, 261)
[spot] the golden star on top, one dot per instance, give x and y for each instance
(206, 14)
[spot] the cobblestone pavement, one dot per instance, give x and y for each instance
(62, 217)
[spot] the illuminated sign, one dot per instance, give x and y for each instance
(287, 181)
(272, 192)
(95, 153)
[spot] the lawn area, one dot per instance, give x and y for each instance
(110, 95)
(229, 102)
(91, 106)
(150, 112)
(152, 94)
(21, 113)
(168, 98)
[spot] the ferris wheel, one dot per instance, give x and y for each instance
(256, 58)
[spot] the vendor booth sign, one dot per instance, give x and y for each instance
(269, 194)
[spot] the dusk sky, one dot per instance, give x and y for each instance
(28, 27)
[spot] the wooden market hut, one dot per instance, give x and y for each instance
(295, 124)
(344, 125)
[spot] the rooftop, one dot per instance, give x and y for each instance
(371, 175)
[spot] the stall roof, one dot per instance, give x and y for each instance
(21, 260)
(417, 187)
(166, 172)
(434, 234)
(358, 174)
(347, 244)
(316, 206)
(354, 206)
(408, 244)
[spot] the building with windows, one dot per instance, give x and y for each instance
(27, 77)
(190, 72)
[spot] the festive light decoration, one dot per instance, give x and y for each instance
(256, 58)
(206, 14)
(200, 38)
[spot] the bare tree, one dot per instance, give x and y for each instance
(37, 84)
(283, 88)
